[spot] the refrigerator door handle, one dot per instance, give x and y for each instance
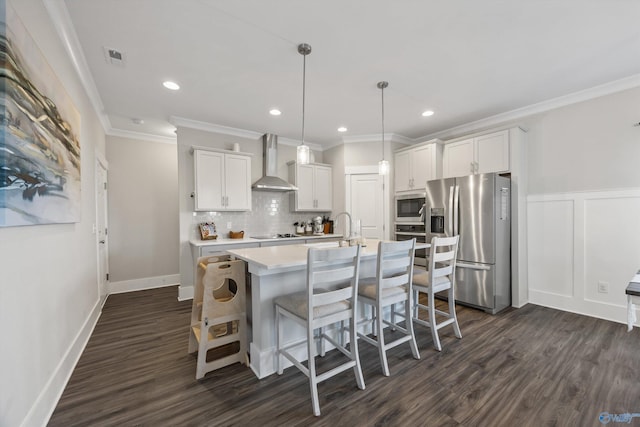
(472, 266)
(456, 199)
(450, 211)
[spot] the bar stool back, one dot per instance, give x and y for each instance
(440, 277)
(391, 286)
(330, 297)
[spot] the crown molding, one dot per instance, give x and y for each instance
(294, 143)
(388, 137)
(540, 107)
(121, 133)
(211, 127)
(62, 23)
(227, 130)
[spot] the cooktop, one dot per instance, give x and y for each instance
(276, 236)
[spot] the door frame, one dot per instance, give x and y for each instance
(386, 202)
(103, 282)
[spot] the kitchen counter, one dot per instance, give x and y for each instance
(249, 240)
(281, 270)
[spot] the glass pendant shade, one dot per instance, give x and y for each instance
(303, 154)
(383, 167)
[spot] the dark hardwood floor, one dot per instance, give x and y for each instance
(532, 366)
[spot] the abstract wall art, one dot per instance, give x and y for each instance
(39, 142)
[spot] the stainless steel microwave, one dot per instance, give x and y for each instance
(410, 207)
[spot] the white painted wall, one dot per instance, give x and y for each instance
(578, 240)
(49, 299)
(335, 157)
(143, 209)
(584, 204)
(591, 145)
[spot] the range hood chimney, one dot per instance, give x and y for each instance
(270, 180)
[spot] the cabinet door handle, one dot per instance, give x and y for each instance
(222, 202)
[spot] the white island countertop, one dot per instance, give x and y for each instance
(289, 257)
(248, 239)
(274, 259)
(281, 270)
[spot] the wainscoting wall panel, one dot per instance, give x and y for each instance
(582, 249)
(550, 238)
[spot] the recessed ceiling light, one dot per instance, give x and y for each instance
(171, 85)
(427, 113)
(275, 112)
(137, 121)
(342, 129)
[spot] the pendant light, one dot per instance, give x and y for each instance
(303, 150)
(383, 165)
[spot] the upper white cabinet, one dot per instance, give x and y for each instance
(222, 181)
(315, 191)
(415, 166)
(482, 154)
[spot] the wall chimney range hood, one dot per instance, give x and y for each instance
(270, 180)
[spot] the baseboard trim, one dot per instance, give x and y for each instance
(600, 310)
(185, 293)
(143, 283)
(47, 400)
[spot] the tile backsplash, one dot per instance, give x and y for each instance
(270, 214)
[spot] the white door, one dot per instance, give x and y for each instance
(458, 159)
(102, 227)
(422, 167)
(209, 180)
(238, 182)
(304, 182)
(402, 173)
(493, 152)
(366, 191)
(323, 188)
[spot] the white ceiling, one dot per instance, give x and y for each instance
(236, 59)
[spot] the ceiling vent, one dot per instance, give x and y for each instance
(113, 56)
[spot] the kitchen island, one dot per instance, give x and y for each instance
(281, 270)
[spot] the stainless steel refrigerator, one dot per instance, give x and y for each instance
(477, 207)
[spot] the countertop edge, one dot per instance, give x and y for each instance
(249, 240)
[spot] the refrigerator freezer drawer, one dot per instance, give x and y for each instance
(476, 285)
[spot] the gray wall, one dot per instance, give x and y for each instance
(143, 209)
(590, 145)
(335, 157)
(49, 294)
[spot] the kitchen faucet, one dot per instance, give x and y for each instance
(350, 223)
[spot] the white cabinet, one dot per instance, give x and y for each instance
(222, 181)
(481, 154)
(458, 158)
(415, 166)
(314, 182)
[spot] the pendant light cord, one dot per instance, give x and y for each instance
(304, 85)
(382, 90)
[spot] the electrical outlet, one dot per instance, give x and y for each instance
(229, 225)
(603, 287)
